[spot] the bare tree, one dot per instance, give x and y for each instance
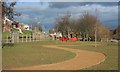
(87, 25)
(63, 24)
(116, 33)
(36, 26)
(8, 11)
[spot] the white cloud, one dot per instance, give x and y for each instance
(93, 8)
(48, 14)
(31, 7)
(64, 0)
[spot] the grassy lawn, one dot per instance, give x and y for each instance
(6, 34)
(28, 54)
(25, 54)
(109, 49)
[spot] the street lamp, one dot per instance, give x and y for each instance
(96, 28)
(96, 34)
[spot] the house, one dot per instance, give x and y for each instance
(23, 26)
(6, 24)
(16, 25)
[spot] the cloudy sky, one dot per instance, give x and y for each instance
(46, 12)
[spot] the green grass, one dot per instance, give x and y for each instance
(6, 34)
(22, 54)
(26, 32)
(28, 54)
(109, 49)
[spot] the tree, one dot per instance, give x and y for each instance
(116, 33)
(103, 33)
(63, 24)
(8, 11)
(36, 25)
(87, 25)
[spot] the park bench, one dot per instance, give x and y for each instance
(73, 39)
(64, 39)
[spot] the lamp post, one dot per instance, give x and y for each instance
(96, 34)
(96, 28)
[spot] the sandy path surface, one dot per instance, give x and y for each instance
(83, 59)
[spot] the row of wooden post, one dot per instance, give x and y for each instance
(32, 38)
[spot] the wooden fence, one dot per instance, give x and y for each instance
(16, 38)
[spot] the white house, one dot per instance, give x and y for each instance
(26, 27)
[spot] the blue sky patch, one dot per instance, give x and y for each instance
(46, 12)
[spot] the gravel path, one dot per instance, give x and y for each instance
(83, 59)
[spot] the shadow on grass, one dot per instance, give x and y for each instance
(7, 44)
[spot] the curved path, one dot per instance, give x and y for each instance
(83, 59)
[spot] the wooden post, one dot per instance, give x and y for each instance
(39, 37)
(30, 38)
(7, 39)
(95, 39)
(33, 37)
(17, 37)
(13, 38)
(36, 37)
(84, 36)
(87, 37)
(52, 37)
(22, 38)
(45, 36)
(26, 38)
